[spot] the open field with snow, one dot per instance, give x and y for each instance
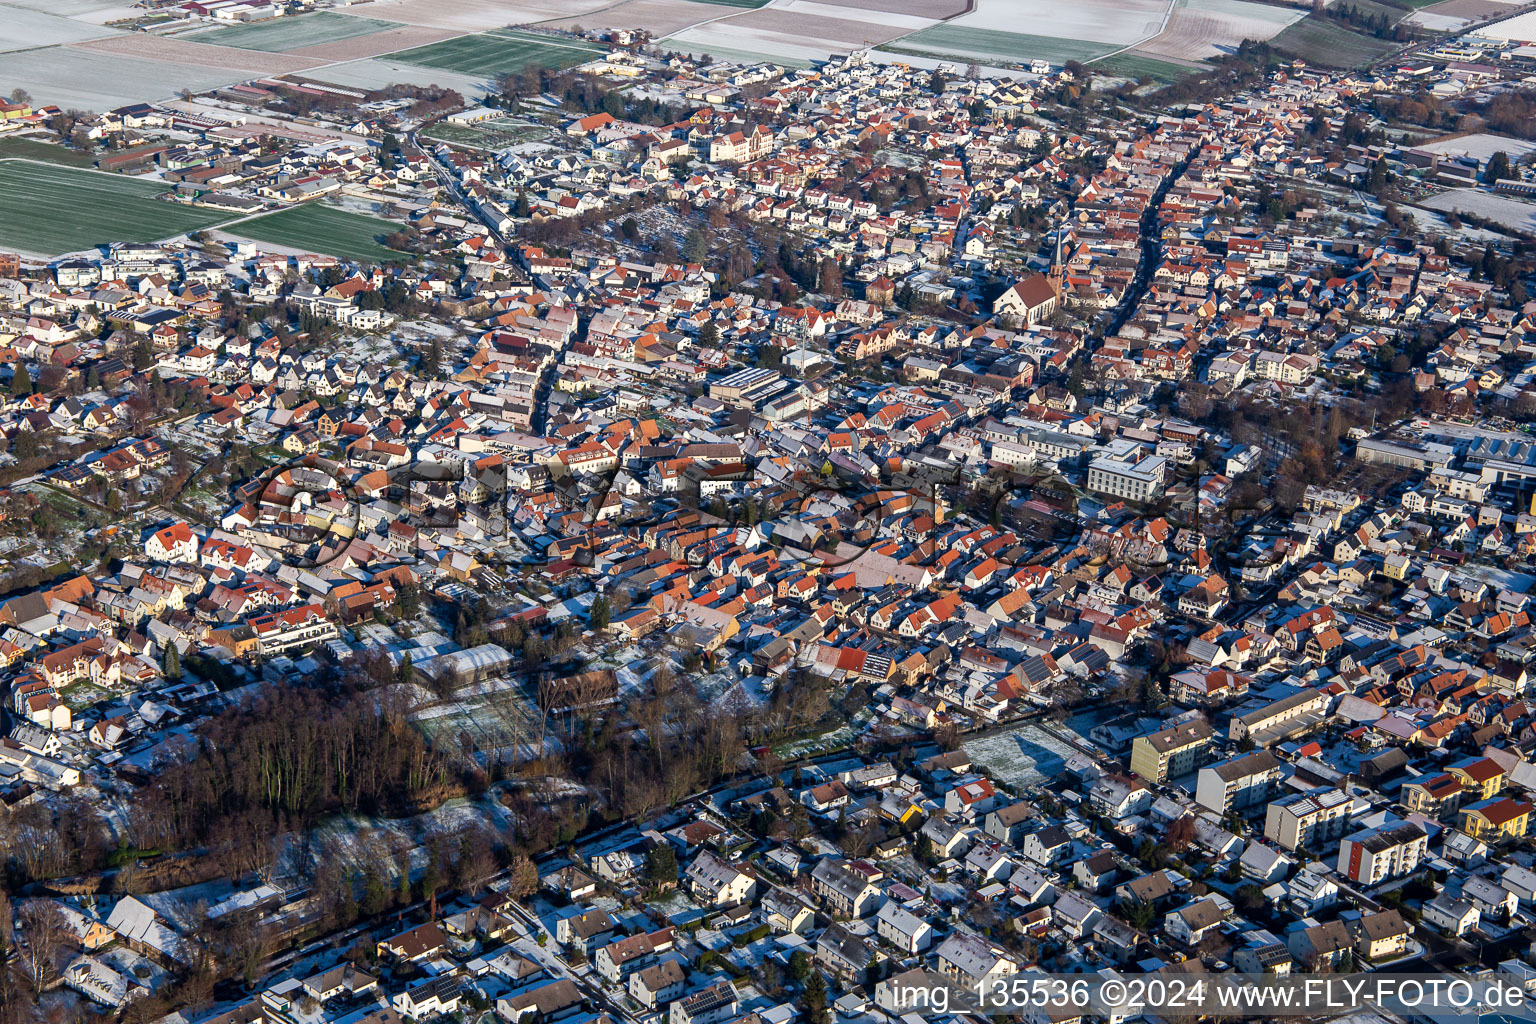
(474, 15)
(1481, 146)
(1456, 15)
(1199, 29)
(1025, 756)
(962, 44)
(933, 9)
(730, 40)
(1319, 41)
(487, 54)
(374, 44)
(186, 51)
(658, 17)
(1512, 213)
(78, 10)
(24, 29)
(1521, 28)
(1111, 21)
(840, 33)
(378, 72)
(75, 77)
(279, 34)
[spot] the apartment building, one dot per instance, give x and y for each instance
(1377, 855)
(1307, 819)
(1434, 797)
(1500, 818)
(1172, 752)
(1128, 478)
(1283, 719)
(1239, 783)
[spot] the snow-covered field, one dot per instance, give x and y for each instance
(1481, 146)
(472, 15)
(73, 77)
(1511, 213)
(24, 29)
(1025, 756)
(1207, 28)
(725, 39)
(1110, 21)
(1521, 28)
(187, 51)
(658, 17)
(832, 26)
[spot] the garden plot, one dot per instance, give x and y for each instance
(187, 51)
(279, 34)
(1026, 756)
(1199, 29)
(1511, 213)
(500, 724)
(23, 29)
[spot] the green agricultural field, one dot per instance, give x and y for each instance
(503, 50)
(1319, 41)
(962, 43)
(48, 209)
(281, 34)
(324, 229)
(47, 152)
(1134, 65)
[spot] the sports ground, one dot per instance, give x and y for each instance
(323, 229)
(49, 209)
(499, 51)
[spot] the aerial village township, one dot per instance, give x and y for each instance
(536, 520)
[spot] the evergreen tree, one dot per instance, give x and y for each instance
(21, 384)
(404, 673)
(695, 247)
(600, 613)
(1498, 167)
(170, 665)
(816, 998)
